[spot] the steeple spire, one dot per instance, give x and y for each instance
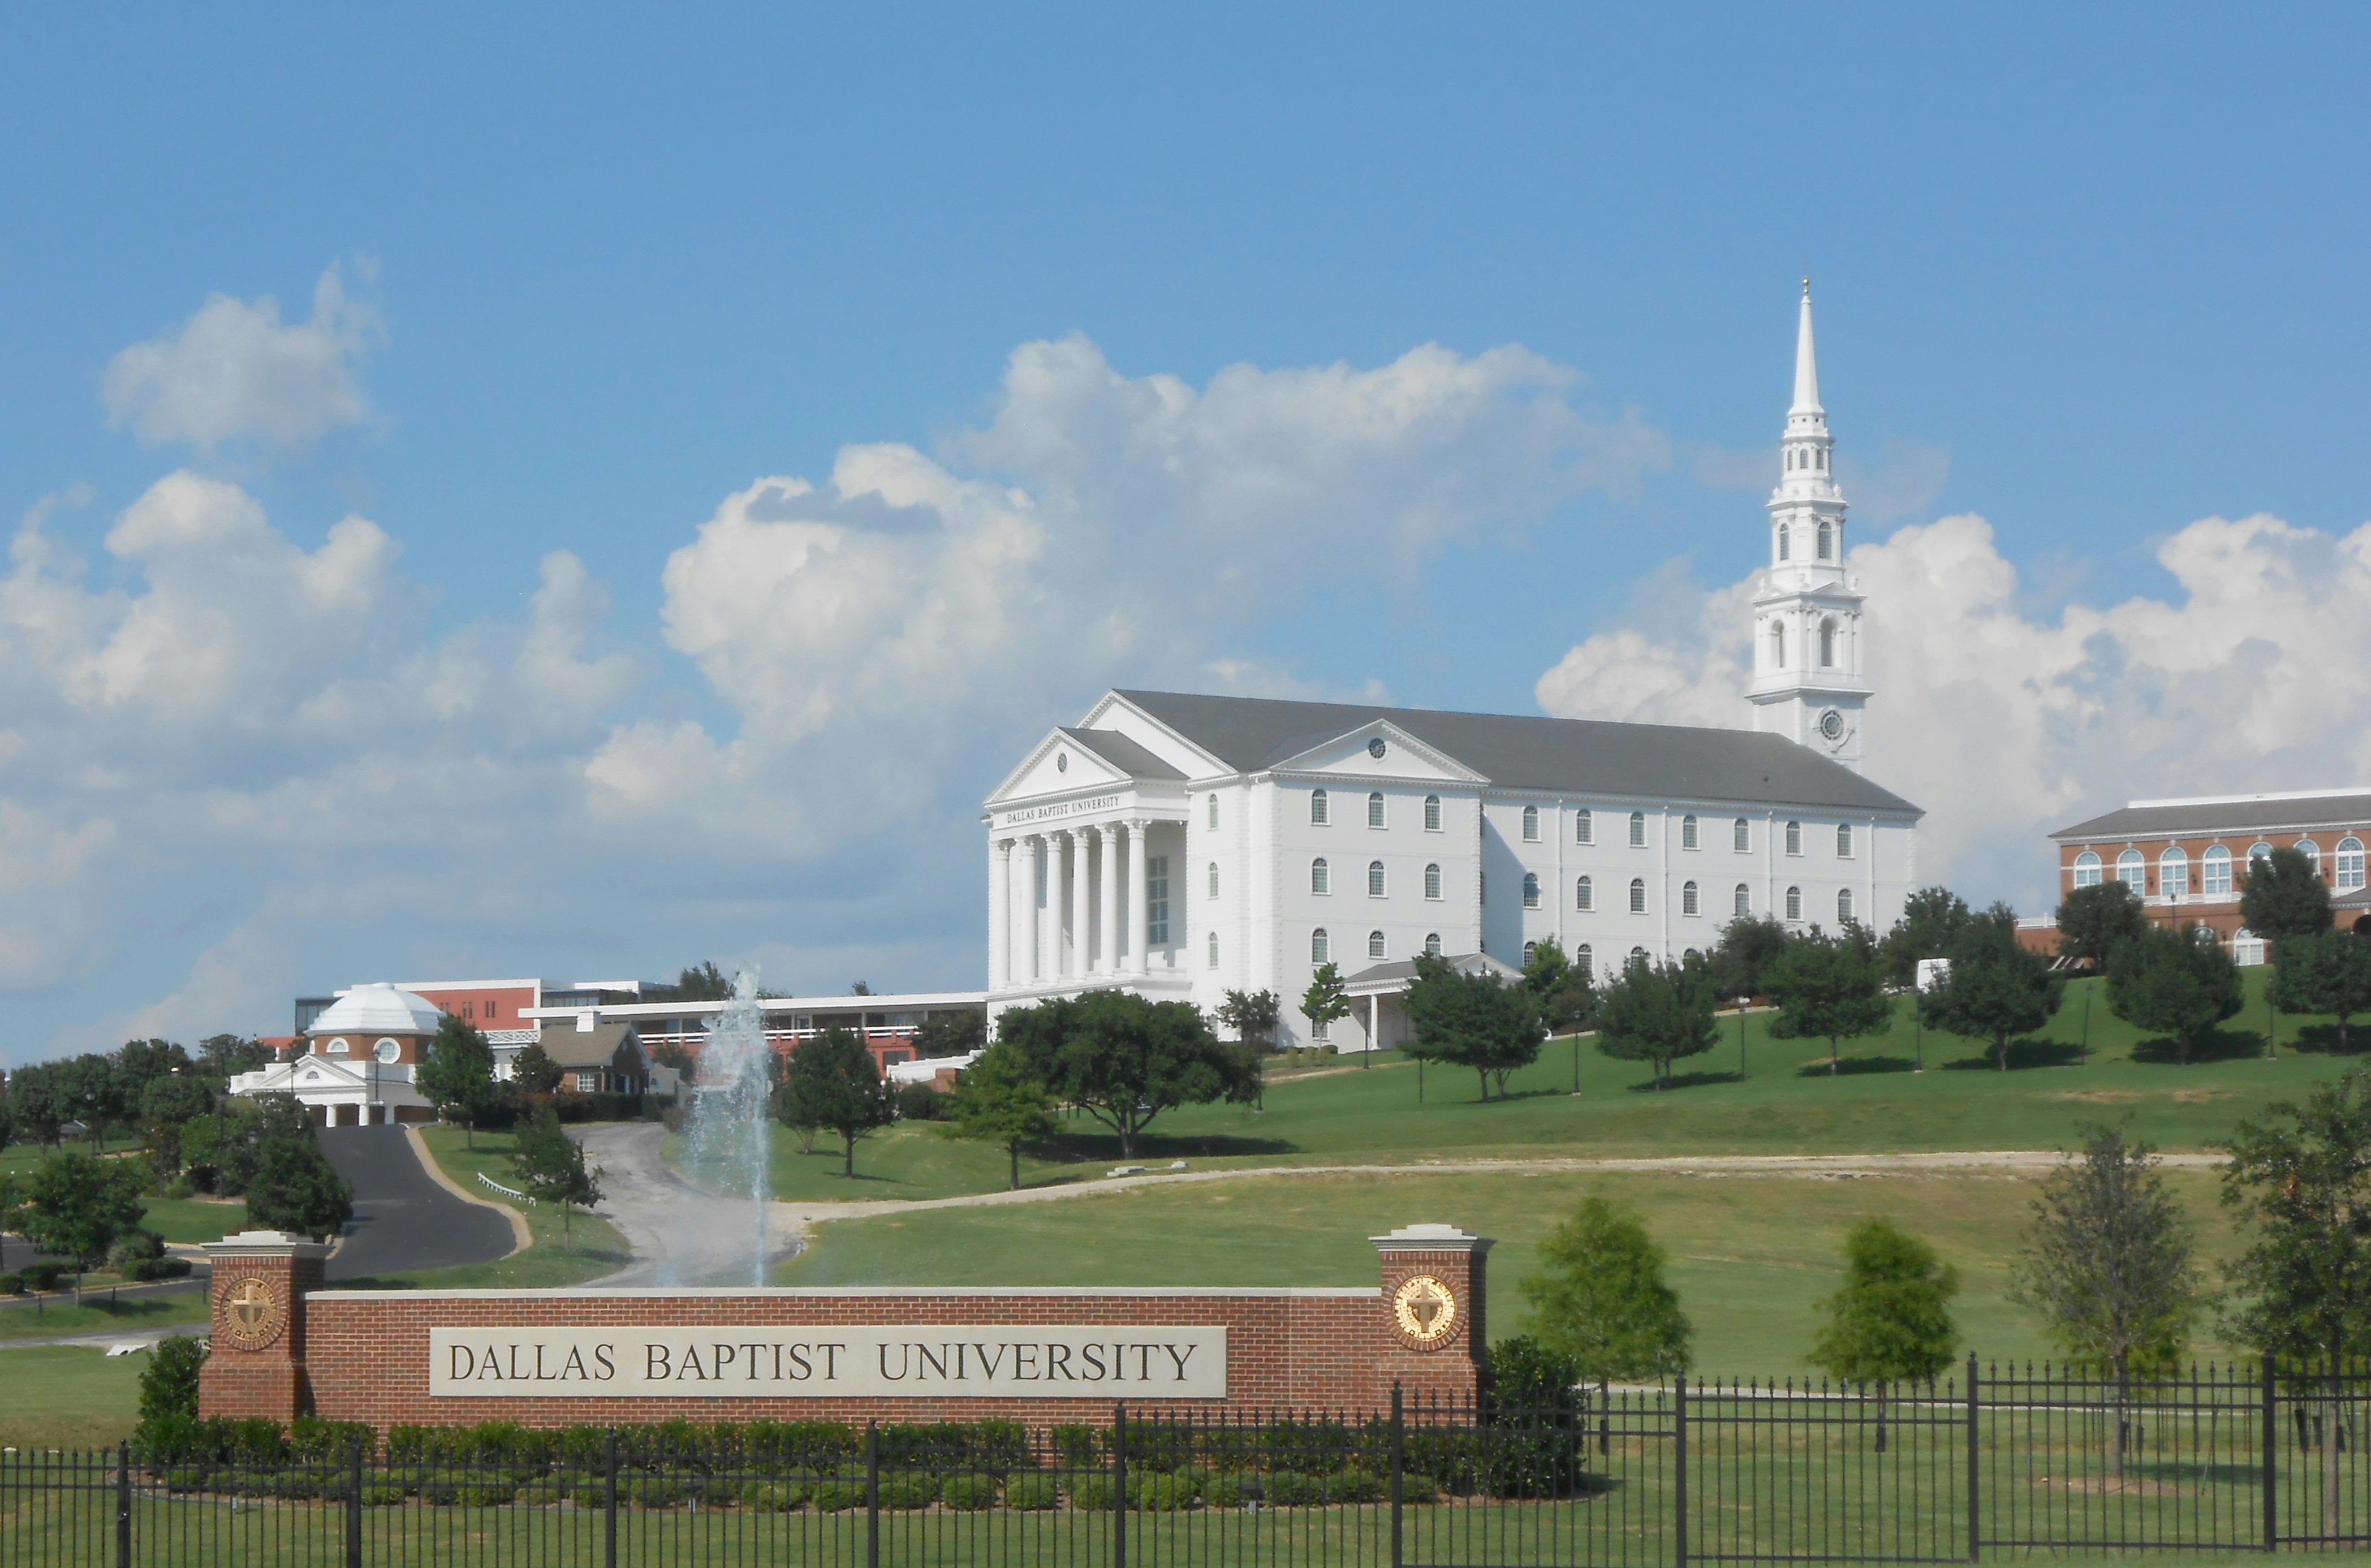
(1807, 364)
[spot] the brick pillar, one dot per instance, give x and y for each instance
(1434, 1333)
(257, 1365)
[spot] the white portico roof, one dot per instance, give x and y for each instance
(378, 1008)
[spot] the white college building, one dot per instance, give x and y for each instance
(1184, 846)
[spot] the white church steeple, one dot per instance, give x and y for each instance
(1809, 681)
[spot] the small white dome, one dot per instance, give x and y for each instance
(378, 1008)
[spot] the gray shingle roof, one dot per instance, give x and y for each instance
(596, 1047)
(1122, 753)
(2205, 819)
(1575, 755)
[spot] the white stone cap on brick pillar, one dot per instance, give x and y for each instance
(266, 1244)
(1434, 1238)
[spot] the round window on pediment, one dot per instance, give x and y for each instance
(1375, 748)
(1061, 761)
(386, 1050)
(338, 1047)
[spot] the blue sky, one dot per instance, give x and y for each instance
(2090, 279)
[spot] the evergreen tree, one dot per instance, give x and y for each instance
(2327, 973)
(1893, 1319)
(551, 1168)
(169, 1383)
(1124, 1061)
(1599, 1296)
(2284, 896)
(2095, 921)
(533, 1072)
(1996, 990)
(1323, 1005)
(2177, 982)
(1826, 988)
(832, 1081)
(1748, 945)
(998, 1101)
(1933, 920)
(1657, 1013)
(457, 1073)
(293, 1187)
(1253, 1015)
(1472, 1020)
(1568, 996)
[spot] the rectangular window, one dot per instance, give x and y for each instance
(1156, 902)
(1214, 814)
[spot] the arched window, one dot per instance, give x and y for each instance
(1740, 833)
(1530, 950)
(1214, 814)
(1844, 905)
(1531, 889)
(1214, 878)
(1786, 543)
(2086, 870)
(1688, 904)
(1637, 895)
(1321, 881)
(1214, 949)
(339, 1047)
(1432, 813)
(1432, 943)
(1584, 895)
(1638, 955)
(1777, 645)
(2173, 873)
(1374, 878)
(1794, 903)
(1375, 945)
(2350, 864)
(1375, 809)
(1827, 641)
(1827, 541)
(2258, 850)
(1688, 831)
(2215, 869)
(1320, 950)
(1794, 838)
(1584, 831)
(1584, 958)
(1432, 881)
(1530, 824)
(1742, 904)
(1638, 830)
(1317, 808)
(1844, 841)
(2312, 852)
(2133, 871)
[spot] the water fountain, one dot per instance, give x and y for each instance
(728, 1144)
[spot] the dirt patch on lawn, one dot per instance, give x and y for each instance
(2131, 1486)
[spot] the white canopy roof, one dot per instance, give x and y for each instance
(378, 1008)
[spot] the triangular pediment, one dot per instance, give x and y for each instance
(1114, 711)
(1379, 749)
(1056, 765)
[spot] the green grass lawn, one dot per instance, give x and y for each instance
(56, 1317)
(1751, 1256)
(591, 1247)
(195, 1219)
(65, 1397)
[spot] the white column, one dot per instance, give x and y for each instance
(1036, 915)
(1141, 959)
(1375, 1022)
(1076, 965)
(1107, 848)
(999, 914)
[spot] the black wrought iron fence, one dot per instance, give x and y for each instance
(2021, 1459)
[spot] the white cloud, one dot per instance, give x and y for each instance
(234, 371)
(2256, 676)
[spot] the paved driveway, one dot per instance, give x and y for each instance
(403, 1220)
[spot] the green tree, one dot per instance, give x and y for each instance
(2177, 982)
(533, 1071)
(1472, 1020)
(702, 982)
(92, 1093)
(1931, 923)
(1123, 1060)
(36, 1097)
(1891, 1319)
(1567, 995)
(551, 1168)
(957, 1033)
(2095, 921)
(1826, 988)
(225, 1056)
(998, 1101)
(140, 1063)
(1323, 1005)
(1599, 1296)
(75, 1206)
(1748, 945)
(2326, 974)
(169, 1383)
(167, 1106)
(1996, 989)
(294, 1187)
(1253, 1015)
(2284, 896)
(832, 1081)
(457, 1073)
(1657, 1013)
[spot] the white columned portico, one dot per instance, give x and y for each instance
(1075, 966)
(1139, 959)
(999, 914)
(1036, 915)
(1107, 850)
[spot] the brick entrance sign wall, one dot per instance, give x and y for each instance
(283, 1346)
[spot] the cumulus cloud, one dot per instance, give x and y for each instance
(234, 371)
(2255, 676)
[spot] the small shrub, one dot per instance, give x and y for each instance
(969, 1494)
(180, 1187)
(1091, 1492)
(908, 1491)
(651, 1492)
(917, 1102)
(590, 1496)
(834, 1496)
(134, 1247)
(1032, 1493)
(45, 1276)
(1228, 1489)
(382, 1496)
(1289, 1489)
(1078, 1444)
(12, 1284)
(1417, 1488)
(1353, 1486)
(161, 1268)
(1160, 1494)
(772, 1496)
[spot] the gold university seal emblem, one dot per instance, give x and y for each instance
(252, 1315)
(1426, 1309)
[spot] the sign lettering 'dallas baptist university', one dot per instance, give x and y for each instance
(1040, 1362)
